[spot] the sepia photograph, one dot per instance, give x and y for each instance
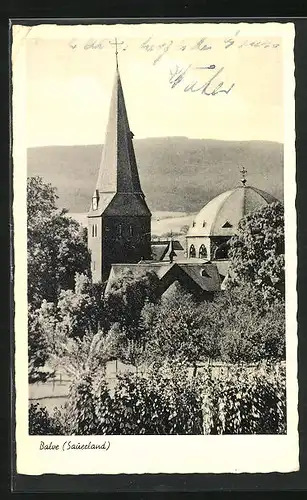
(155, 240)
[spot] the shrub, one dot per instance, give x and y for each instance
(43, 423)
(246, 402)
(166, 401)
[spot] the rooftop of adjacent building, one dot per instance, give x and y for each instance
(221, 216)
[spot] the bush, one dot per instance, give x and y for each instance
(236, 326)
(167, 401)
(246, 402)
(43, 423)
(160, 404)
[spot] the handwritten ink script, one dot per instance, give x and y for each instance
(71, 445)
(210, 82)
(211, 86)
(160, 49)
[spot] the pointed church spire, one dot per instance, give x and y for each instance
(118, 171)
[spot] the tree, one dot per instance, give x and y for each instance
(57, 248)
(247, 328)
(127, 297)
(257, 251)
(38, 349)
(178, 329)
(237, 326)
(80, 311)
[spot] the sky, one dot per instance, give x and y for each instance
(69, 82)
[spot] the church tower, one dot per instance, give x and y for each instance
(119, 218)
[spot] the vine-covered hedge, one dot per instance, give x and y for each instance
(167, 402)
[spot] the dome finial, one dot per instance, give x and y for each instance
(243, 172)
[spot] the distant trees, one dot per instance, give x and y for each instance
(57, 248)
(257, 251)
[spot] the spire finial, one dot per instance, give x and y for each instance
(116, 43)
(243, 172)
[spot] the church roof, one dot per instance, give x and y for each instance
(118, 173)
(220, 217)
(204, 275)
(160, 249)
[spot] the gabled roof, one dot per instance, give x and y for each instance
(118, 173)
(160, 249)
(185, 273)
(205, 275)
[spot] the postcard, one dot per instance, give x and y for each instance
(154, 248)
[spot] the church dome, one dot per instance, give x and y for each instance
(220, 217)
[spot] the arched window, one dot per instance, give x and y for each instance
(222, 251)
(203, 252)
(130, 230)
(192, 252)
(120, 230)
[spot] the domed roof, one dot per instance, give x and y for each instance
(220, 217)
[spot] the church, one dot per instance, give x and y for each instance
(119, 220)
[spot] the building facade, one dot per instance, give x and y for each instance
(218, 221)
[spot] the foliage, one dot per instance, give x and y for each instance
(236, 326)
(246, 401)
(257, 251)
(176, 331)
(41, 422)
(77, 313)
(127, 297)
(38, 352)
(82, 357)
(167, 401)
(246, 328)
(56, 245)
(80, 311)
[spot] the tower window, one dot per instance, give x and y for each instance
(120, 229)
(94, 230)
(192, 252)
(94, 265)
(194, 223)
(202, 252)
(204, 223)
(130, 230)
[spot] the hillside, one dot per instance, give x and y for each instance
(177, 173)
